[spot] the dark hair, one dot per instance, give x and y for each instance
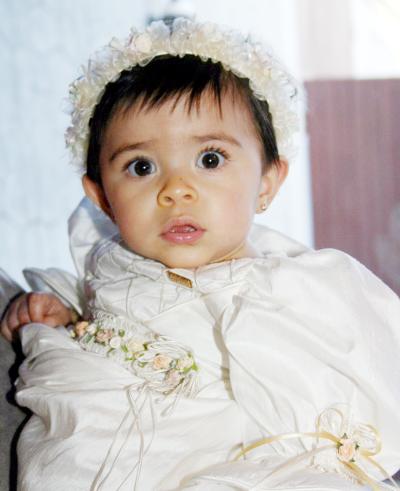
(166, 77)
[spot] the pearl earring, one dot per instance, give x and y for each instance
(264, 205)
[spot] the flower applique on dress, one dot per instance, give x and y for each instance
(167, 366)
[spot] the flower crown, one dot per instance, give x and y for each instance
(268, 78)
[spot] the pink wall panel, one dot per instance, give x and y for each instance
(354, 128)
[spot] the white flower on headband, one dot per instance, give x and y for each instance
(268, 78)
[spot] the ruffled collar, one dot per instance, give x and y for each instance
(112, 260)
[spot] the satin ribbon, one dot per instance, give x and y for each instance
(138, 395)
(362, 451)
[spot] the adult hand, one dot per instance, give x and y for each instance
(34, 307)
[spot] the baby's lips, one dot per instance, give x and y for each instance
(180, 222)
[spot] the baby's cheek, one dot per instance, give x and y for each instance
(236, 218)
(241, 207)
(130, 227)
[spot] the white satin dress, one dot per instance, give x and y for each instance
(296, 341)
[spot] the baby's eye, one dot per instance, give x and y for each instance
(210, 159)
(141, 167)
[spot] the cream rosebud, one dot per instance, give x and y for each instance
(161, 362)
(347, 449)
(104, 335)
(185, 362)
(115, 342)
(134, 345)
(91, 329)
(80, 328)
(173, 378)
(143, 43)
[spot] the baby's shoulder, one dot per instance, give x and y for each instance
(282, 255)
(292, 272)
(89, 231)
(314, 269)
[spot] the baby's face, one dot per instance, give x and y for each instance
(183, 187)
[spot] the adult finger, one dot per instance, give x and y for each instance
(37, 304)
(48, 309)
(58, 314)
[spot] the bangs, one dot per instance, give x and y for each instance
(169, 78)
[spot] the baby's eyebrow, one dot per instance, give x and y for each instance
(217, 136)
(197, 138)
(128, 147)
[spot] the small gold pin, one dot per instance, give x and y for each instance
(181, 280)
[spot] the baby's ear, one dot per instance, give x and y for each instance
(273, 179)
(95, 193)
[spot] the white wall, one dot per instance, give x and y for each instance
(349, 38)
(376, 47)
(43, 44)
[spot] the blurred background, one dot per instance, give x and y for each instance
(343, 190)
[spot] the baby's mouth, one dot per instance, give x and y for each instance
(182, 230)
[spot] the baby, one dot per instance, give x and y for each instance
(213, 353)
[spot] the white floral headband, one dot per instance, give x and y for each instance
(268, 78)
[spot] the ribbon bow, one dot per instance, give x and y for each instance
(355, 446)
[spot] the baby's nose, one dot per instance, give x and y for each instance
(175, 191)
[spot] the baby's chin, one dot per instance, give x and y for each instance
(184, 262)
(183, 257)
(189, 257)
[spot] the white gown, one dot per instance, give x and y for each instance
(279, 340)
